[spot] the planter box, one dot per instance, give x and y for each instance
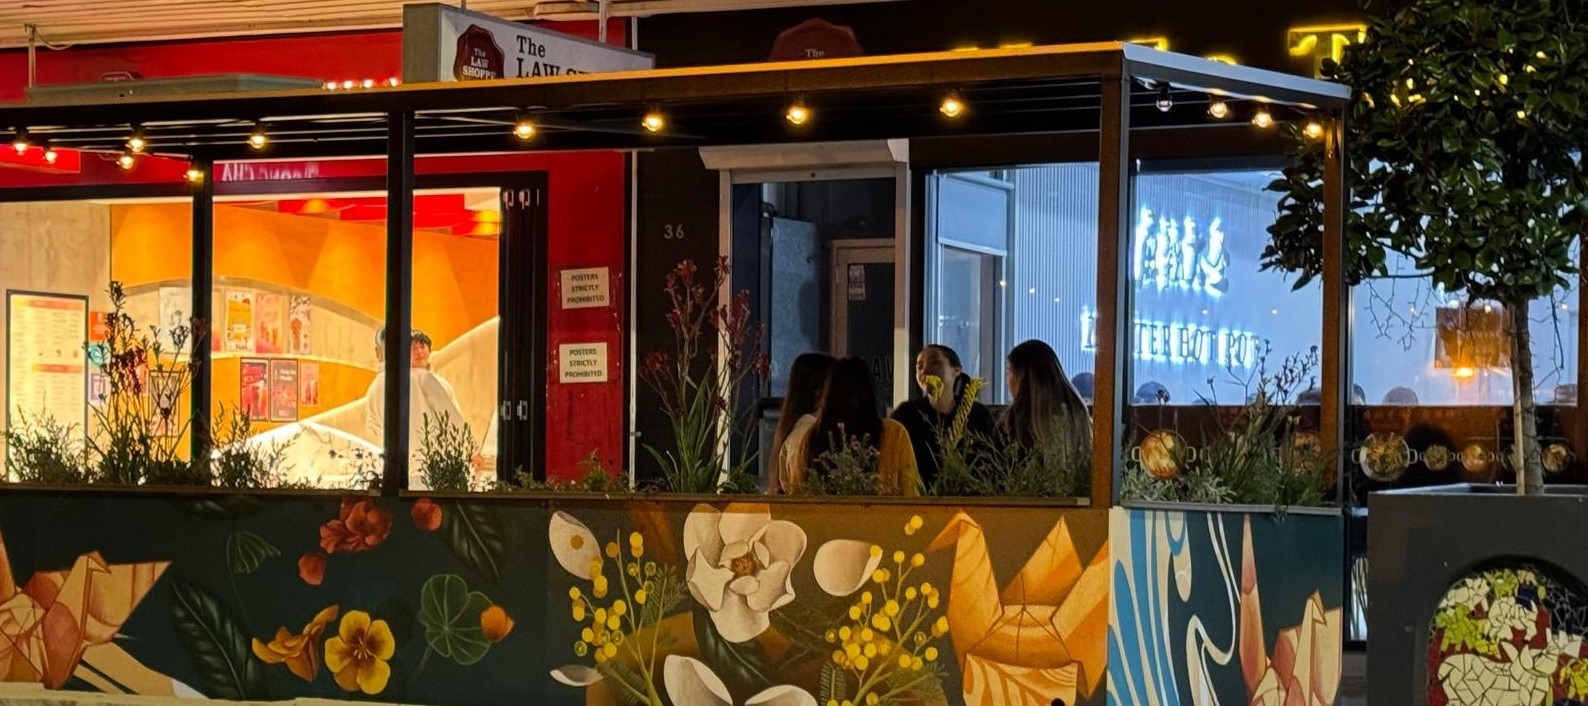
(1238, 603)
(1477, 594)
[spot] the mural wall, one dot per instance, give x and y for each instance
(506, 601)
(1224, 608)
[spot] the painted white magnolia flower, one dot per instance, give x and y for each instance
(690, 681)
(842, 566)
(573, 544)
(740, 566)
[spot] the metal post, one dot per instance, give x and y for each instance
(1579, 427)
(200, 433)
(1336, 352)
(1113, 292)
(399, 287)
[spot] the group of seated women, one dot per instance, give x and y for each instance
(831, 405)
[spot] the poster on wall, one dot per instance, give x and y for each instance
(283, 390)
(298, 326)
(165, 399)
(175, 303)
(444, 43)
(239, 320)
(268, 311)
(98, 388)
(308, 384)
(47, 366)
(253, 393)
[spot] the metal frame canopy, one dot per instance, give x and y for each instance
(1007, 91)
(1110, 89)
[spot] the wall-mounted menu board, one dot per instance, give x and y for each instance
(46, 365)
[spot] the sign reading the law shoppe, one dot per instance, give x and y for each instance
(444, 43)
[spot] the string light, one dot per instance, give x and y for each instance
(1217, 108)
(127, 160)
(50, 155)
(258, 139)
(195, 175)
(798, 114)
(1263, 118)
(1165, 99)
(20, 142)
(654, 121)
(1314, 129)
(524, 129)
(952, 106)
(137, 142)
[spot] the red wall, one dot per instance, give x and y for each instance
(588, 196)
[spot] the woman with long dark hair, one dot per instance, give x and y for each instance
(933, 414)
(1045, 403)
(847, 414)
(806, 378)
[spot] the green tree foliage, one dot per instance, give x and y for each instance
(1465, 137)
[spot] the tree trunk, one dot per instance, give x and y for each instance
(1529, 464)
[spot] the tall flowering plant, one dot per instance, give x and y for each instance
(716, 353)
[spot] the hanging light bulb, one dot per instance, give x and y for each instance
(654, 121)
(50, 155)
(127, 160)
(195, 175)
(1313, 130)
(798, 113)
(1165, 99)
(524, 128)
(137, 142)
(952, 106)
(1217, 108)
(1263, 118)
(20, 142)
(258, 139)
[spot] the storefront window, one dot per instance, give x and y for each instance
(1014, 259)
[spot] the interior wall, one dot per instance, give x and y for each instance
(54, 247)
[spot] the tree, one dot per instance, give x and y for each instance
(1465, 138)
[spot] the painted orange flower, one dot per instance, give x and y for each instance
(360, 526)
(301, 652)
(427, 515)
(495, 623)
(311, 568)
(357, 655)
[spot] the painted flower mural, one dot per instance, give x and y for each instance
(1304, 669)
(1511, 636)
(690, 681)
(358, 655)
(300, 652)
(741, 563)
(361, 525)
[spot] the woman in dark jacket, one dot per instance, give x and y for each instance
(924, 416)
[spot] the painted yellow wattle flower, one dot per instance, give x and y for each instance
(357, 655)
(301, 652)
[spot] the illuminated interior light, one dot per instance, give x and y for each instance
(654, 121)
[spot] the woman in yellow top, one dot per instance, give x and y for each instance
(848, 413)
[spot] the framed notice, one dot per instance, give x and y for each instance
(46, 362)
(253, 393)
(283, 390)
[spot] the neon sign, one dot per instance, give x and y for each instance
(1168, 255)
(1180, 343)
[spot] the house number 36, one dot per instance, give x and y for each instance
(673, 231)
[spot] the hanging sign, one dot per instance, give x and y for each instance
(444, 43)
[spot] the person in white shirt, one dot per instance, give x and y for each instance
(429, 395)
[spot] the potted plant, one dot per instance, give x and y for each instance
(1465, 133)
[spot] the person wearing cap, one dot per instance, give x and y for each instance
(429, 395)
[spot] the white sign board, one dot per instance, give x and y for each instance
(46, 365)
(444, 43)
(587, 288)
(582, 362)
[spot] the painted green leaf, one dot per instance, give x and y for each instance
(245, 551)
(833, 687)
(451, 616)
(218, 646)
(473, 533)
(743, 667)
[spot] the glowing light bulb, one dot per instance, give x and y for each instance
(654, 121)
(524, 129)
(50, 155)
(1218, 109)
(952, 107)
(1263, 118)
(195, 175)
(127, 160)
(798, 114)
(20, 142)
(1314, 129)
(136, 143)
(258, 139)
